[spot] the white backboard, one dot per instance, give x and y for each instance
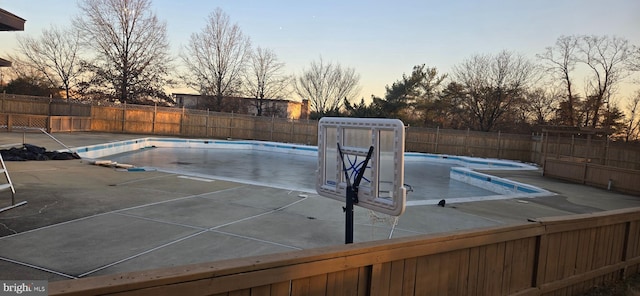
(382, 187)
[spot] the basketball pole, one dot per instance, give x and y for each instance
(352, 193)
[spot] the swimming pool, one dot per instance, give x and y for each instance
(289, 166)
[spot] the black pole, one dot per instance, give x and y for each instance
(348, 231)
(352, 193)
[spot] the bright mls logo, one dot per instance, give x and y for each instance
(23, 288)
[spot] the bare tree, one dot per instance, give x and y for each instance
(23, 78)
(631, 130)
(542, 104)
(561, 60)
(5, 76)
(607, 57)
(264, 78)
(130, 42)
(216, 58)
(493, 85)
(327, 85)
(55, 54)
(634, 62)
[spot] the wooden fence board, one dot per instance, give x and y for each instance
(280, 289)
(463, 272)
(245, 292)
(427, 269)
(260, 291)
(396, 278)
(507, 268)
(633, 245)
(380, 275)
(474, 261)
(494, 265)
(566, 248)
(318, 285)
(300, 287)
(451, 281)
(351, 282)
(600, 251)
(523, 265)
(572, 251)
(443, 270)
(335, 283)
(409, 277)
(553, 256)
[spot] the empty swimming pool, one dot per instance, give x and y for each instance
(289, 171)
(294, 167)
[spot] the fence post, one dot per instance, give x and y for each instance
(605, 161)
(573, 142)
(231, 126)
(48, 121)
(629, 241)
(181, 119)
(306, 132)
(540, 262)
(206, 125)
(586, 160)
(272, 127)
(437, 138)
(466, 144)
(153, 121)
(545, 148)
(558, 146)
(124, 115)
(498, 144)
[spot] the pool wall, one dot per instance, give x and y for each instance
(107, 149)
(469, 162)
(493, 183)
(465, 173)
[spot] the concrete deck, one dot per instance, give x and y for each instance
(83, 220)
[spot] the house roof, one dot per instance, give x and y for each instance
(233, 97)
(10, 21)
(4, 63)
(575, 130)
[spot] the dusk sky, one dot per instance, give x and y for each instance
(380, 40)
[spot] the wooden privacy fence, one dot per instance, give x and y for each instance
(61, 116)
(198, 123)
(21, 104)
(20, 122)
(563, 255)
(583, 172)
(590, 149)
(469, 143)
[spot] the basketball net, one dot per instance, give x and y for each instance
(388, 219)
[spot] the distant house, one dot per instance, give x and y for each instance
(9, 22)
(188, 100)
(270, 107)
